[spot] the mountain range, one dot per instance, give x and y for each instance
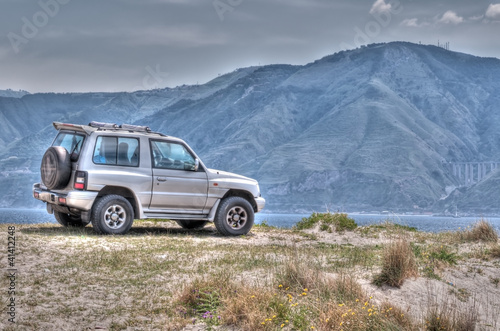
(375, 128)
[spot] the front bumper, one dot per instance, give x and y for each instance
(261, 202)
(81, 200)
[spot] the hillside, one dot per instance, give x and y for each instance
(368, 129)
(13, 94)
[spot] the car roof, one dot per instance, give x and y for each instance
(109, 127)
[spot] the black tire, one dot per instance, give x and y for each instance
(69, 220)
(191, 225)
(56, 168)
(234, 216)
(112, 214)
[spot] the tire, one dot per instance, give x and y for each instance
(69, 220)
(112, 214)
(234, 216)
(56, 168)
(192, 225)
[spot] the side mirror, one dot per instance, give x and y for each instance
(192, 167)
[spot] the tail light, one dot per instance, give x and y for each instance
(80, 180)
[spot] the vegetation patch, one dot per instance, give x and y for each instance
(329, 222)
(480, 231)
(398, 264)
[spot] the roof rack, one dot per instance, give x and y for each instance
(127, 127)
(101, 126)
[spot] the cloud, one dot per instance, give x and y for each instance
(380, 6)
(493, 11)
(450, 17)
(476, 18)
(413, 23)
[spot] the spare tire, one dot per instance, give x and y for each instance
(56, 168)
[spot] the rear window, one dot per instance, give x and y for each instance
(117, 151)
(71, 141)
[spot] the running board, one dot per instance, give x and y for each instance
(194, 217)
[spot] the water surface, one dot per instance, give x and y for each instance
(422, 223)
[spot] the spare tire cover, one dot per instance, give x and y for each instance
(56, 168)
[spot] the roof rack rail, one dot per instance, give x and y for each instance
(125, 127)
(103, 125)
(137, 128)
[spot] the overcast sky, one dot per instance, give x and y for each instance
(125, 45)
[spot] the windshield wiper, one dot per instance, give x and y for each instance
(74, 148)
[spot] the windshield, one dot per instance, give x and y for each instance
(71, 141)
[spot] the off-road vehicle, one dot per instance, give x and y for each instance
(109, 175)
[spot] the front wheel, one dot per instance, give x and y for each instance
(234, 216)
(112, 214)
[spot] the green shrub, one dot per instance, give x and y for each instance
(444, 255)
(338, 222)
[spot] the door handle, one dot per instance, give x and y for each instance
(161, 179)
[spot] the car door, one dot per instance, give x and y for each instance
(177, 186)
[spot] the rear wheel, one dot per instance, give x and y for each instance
(192, 225)
(112, 214)
(68, 220)
(234, 216)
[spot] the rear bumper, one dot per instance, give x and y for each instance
(261, 202)
(81, 200)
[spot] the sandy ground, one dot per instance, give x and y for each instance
(44, 257)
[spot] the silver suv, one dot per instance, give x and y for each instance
(109, 175)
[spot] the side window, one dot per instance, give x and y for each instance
(166, 155)
(117, 151)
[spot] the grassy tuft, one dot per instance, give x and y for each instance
(329, 222)
(481, 231)
(495, 251)
(398, 264)
(297, 273)
(449, 315)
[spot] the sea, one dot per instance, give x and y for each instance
(425, 223)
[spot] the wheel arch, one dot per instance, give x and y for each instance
(242, 194)
(124, 192)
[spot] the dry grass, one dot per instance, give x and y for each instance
(480, 231)
(398, 264)
(161, 277)
(495, 251)
(449, 314)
